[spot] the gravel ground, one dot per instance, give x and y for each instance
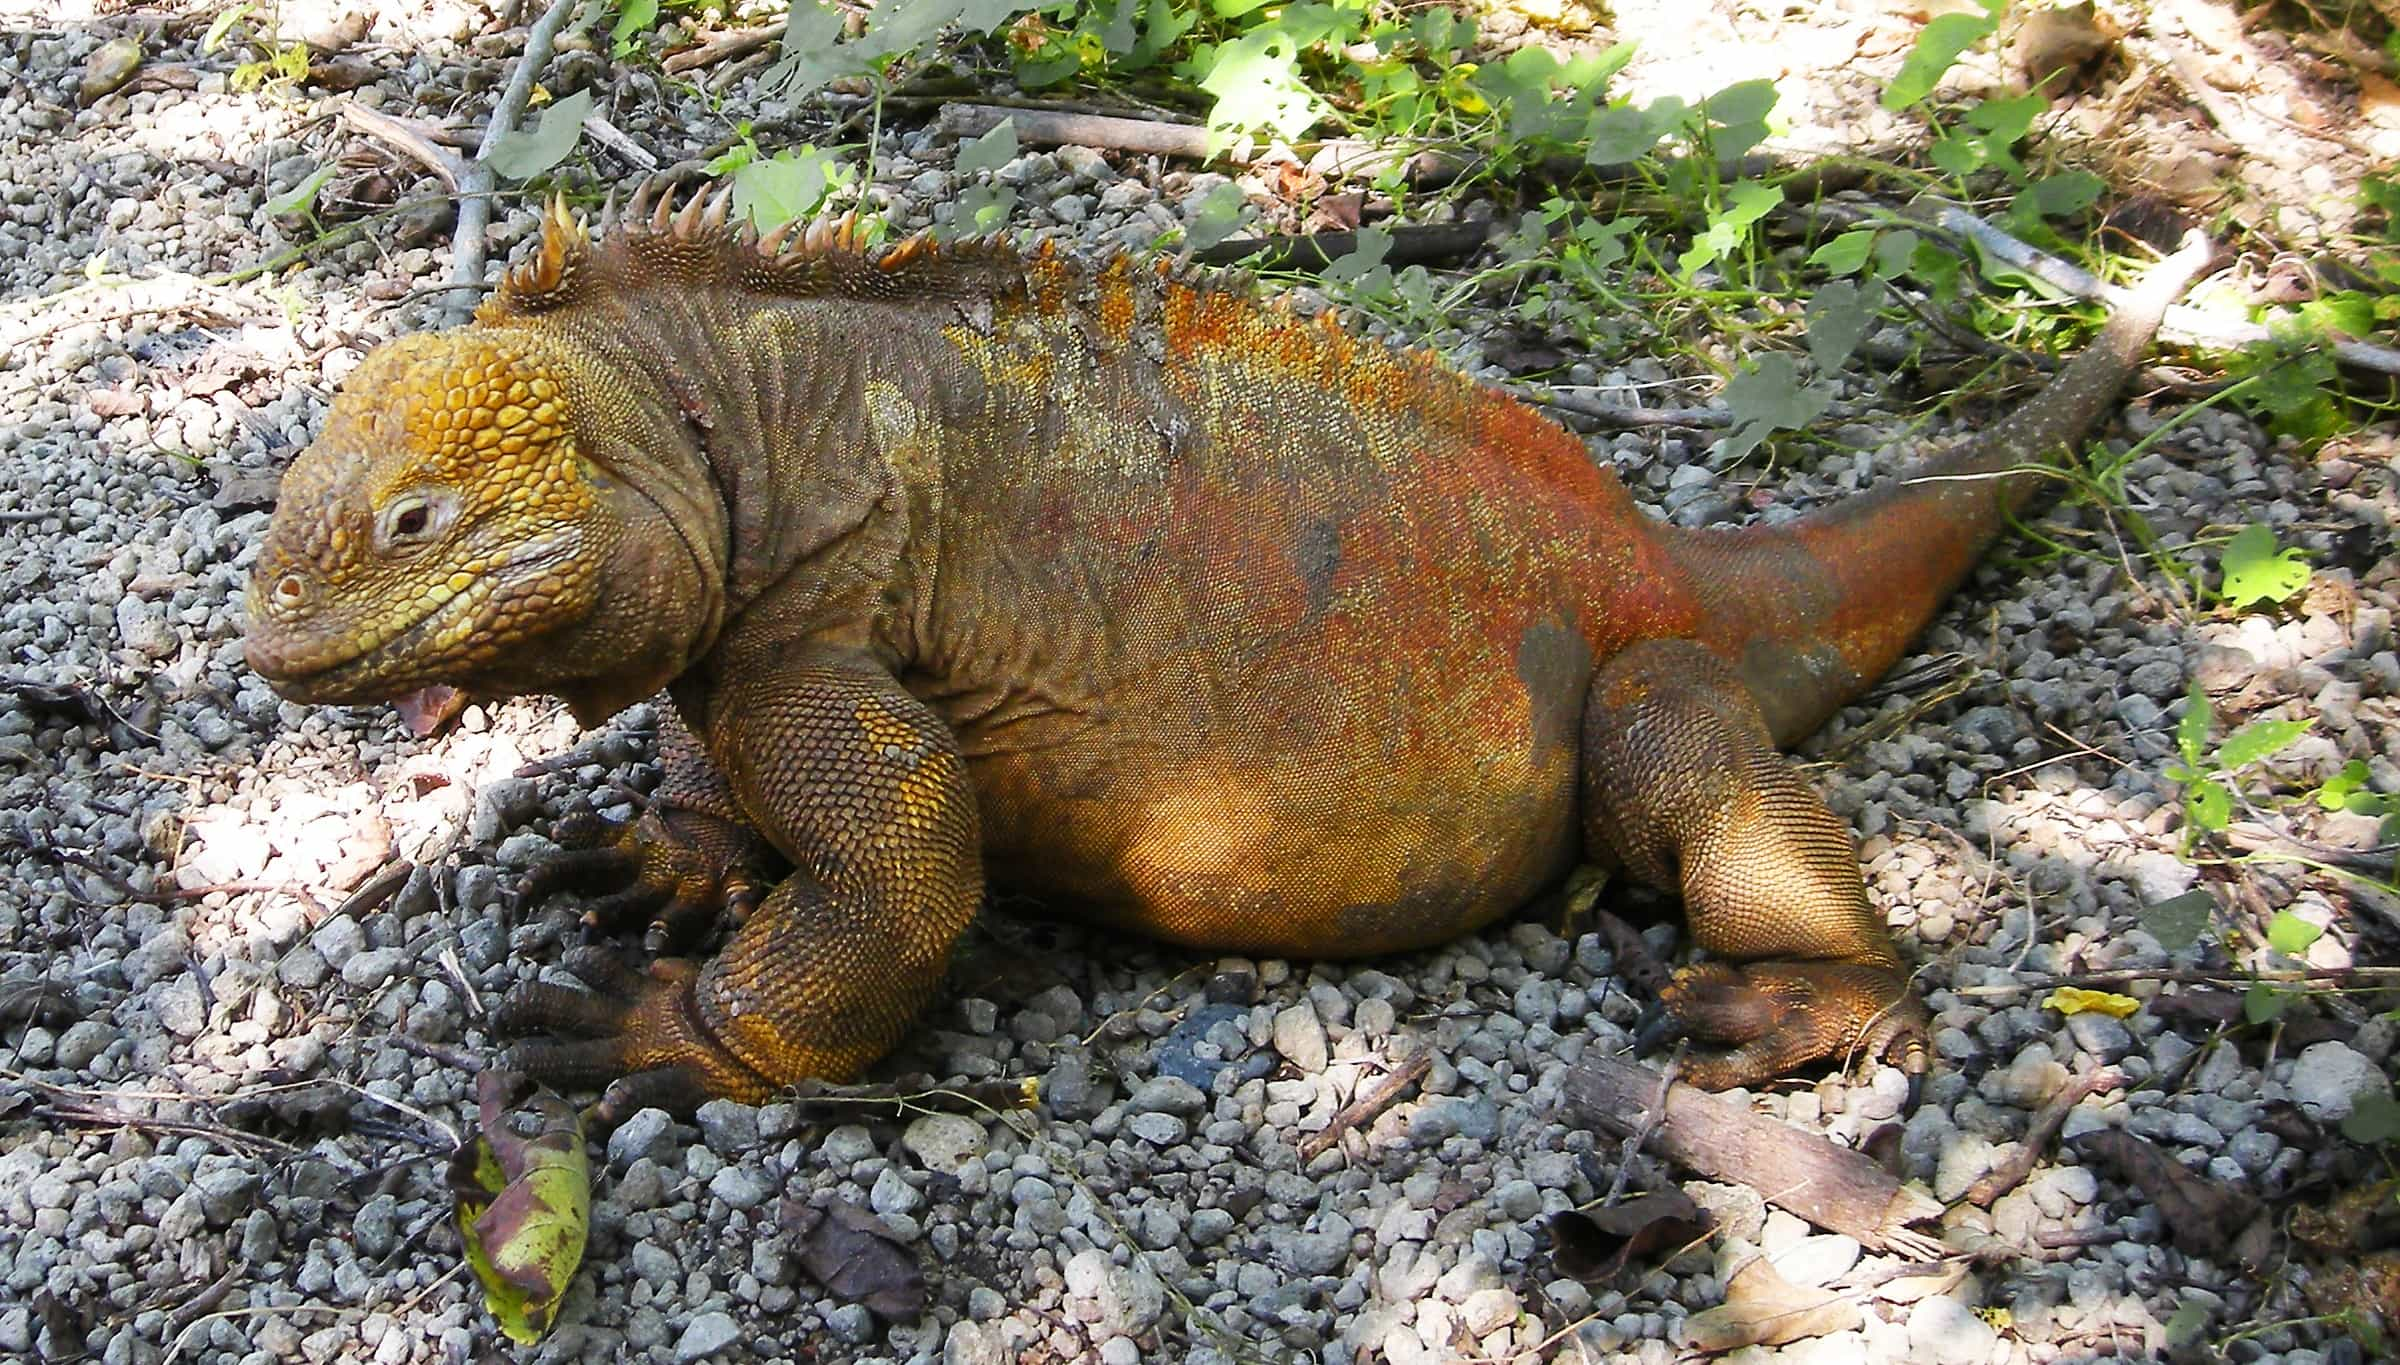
(217, 1144)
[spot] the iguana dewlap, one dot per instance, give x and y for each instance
(1197, 617)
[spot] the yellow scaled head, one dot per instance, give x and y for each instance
(443, 520)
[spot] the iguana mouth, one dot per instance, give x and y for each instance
(351, 679)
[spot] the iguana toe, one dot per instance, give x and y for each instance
(641, 1030)
(675, 870)
(1762, 1020)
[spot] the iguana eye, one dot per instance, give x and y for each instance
(413, 519)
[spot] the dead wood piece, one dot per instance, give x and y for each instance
(477, 181)
(1363, 1110)
(2039, 1134)
(617, 140)
(412, 137)
(1051, 129)
(1412, 244)
(740, 42)
(1832, 1187)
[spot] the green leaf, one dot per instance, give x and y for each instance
(1767, 396)
(1745, 203)
(991, 151)
(788, 185)
(2290, 935)
(1895, 252)
(300, 198)
(222, 25)
(1846, 254)
(1839, 316)
(2256, 571)
(1256, 79)
(982, 210)
(2339, 788)
(1218, 217)
(523, 153)
(2374, 1117)
(1619, 133)
(633, 17)
(813, 51)
(2259, 739)
(2211, 805)
(1938, 47)
(2190, 1320)
(2262, 1003)
(2068, 192)
(1373, 245)
(2191, 732)
(1741, 102)
(2178, 921)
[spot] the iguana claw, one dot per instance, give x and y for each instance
(676, 868)
(1761, 1020)
(638, 1033)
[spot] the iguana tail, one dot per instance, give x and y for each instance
(1814, 610)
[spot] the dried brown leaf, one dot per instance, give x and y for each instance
(2202, 1215)
(856, 1258)
(1597, 1245)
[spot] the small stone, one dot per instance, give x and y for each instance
(1166, 1095)
(945, 1142)
(1209, 1226)
(1300, 1038)
(740, 1186)
(1159, 1130)
(2329, 1078)
(369, 969)
(649, 1133)
(729, 1129)
(892, 1195)
(1488, 1310)
(706, 1335)
(852, 1323)
(847, 1145)
(1943, 1331)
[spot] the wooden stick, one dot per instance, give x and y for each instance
(1411, 243)
(476, 183)
(1362, 1111)
(1832, 1187)
(1052, 128)
(2039, 1134)
(412, 137)
(740, 42)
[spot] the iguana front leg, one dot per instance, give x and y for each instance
(863, 789)
(1683, 787)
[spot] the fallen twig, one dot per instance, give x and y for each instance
(1052, 128)
(1412, 243)
(413, 137)
(1364, 1109)
(2181, 319)
(2039, 1134)
(912, 1095)
(477, 181)
(740, 42)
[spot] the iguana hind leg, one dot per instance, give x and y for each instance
(691, 857)
(863, 790)
(1683, 787)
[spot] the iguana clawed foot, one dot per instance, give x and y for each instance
(1762, 1020)
(677, 868)
(640, 1034)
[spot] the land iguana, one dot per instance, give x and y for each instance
(1191, 614)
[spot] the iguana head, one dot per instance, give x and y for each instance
(451, 528)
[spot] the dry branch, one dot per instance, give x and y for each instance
(1363, 1110)
(1833, 1187)
(476, 184)
(2039, 1134)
